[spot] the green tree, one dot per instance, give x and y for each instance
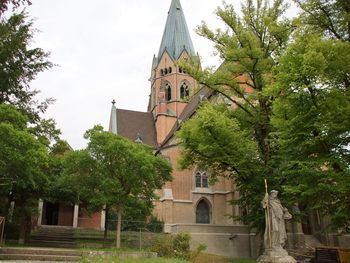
(25, 171)
(330, 17)
(23, 160)
(312, 112)
(19, 64)
(250, 49)
(113, 173)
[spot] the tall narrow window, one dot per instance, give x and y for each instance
(202, 180)
(184, 90)
(202, 213)
(167, 92)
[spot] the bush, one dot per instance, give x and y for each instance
(11, 231)
(177, 246)
(181, 246)
(163, 245)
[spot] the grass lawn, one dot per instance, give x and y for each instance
(209, 258)
(242, 260)
(131, 260)
(203, 258)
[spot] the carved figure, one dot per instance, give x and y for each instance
(275, 215)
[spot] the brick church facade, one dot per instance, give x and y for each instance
(188, 203)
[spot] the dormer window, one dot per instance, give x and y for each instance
(168, 92)
(184, 90)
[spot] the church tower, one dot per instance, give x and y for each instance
(170, 85)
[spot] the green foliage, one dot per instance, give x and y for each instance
(22, 158)
(312, 113)
(19, 64)
(23, 161)
(330, 17)
(131, 260)
(242, 260)
(135, 219)
(114, 173)
(288, 84)
(25, 137)
(163, 245)
(177, 246)
(236, 141)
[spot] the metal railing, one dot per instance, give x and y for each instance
(2, 229)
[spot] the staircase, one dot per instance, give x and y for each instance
(311, 242)
(53, 236)
(40, 254)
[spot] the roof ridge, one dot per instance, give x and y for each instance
(146, 112)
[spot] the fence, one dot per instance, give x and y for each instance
(2, 229)
(135, 234)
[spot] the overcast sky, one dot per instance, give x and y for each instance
(104, 51)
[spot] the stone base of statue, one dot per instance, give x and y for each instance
(276, 256)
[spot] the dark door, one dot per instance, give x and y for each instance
(51, 213)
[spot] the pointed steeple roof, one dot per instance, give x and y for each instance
(113, 120)
(176, 37)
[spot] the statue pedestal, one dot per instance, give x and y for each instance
(276, 256)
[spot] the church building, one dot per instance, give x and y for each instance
(188, 203)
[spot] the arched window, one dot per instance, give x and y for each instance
(162, 72)
(170, 70)
(167, 92)
(202, 213)
(201, 180)
(165, 71)
(184, 90)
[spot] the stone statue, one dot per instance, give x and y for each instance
(275, 236)
(275, 230)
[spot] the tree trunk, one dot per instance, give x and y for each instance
(106, 228)
(119, 226)
(24, 231)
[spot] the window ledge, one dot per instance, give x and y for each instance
(202, 190)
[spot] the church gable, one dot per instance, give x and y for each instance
(135, 125)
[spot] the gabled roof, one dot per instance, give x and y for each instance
(134, 125)
(176, 37)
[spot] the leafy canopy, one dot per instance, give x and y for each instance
(115, 173)
(19, 64)
(238, 143)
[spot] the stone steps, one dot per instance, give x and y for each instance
(311, 242)
(40, 254)
(52, 243)
(49, 236)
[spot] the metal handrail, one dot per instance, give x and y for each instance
(2, 229)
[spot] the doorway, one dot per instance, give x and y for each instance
(51, 214)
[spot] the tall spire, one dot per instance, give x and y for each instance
(176, 36)
(113, 120)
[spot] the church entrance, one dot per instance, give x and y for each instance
(51, 214)
(57, 214)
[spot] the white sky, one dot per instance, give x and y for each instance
(104, 51)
